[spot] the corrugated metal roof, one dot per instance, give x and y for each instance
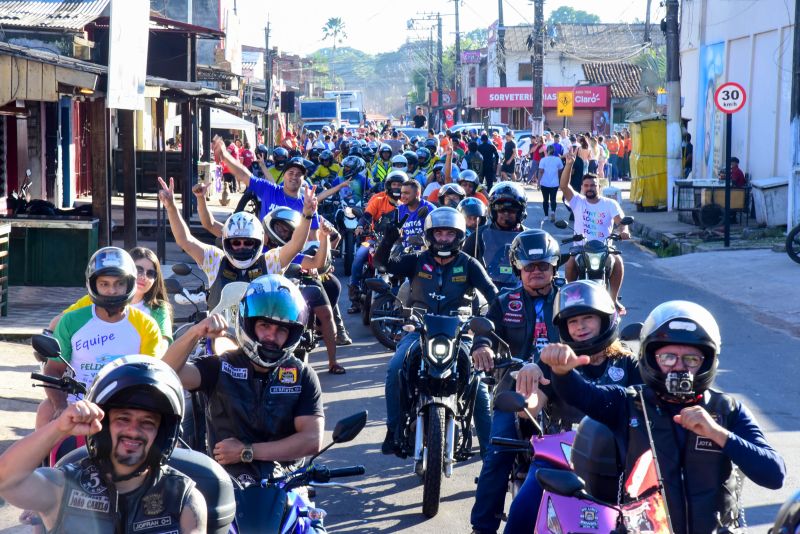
(63, 14)
(624, 78)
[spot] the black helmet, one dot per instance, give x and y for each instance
(385, 149)
(355, 150)
(533, 246)
(344, 147)
(394, 176)
(282, 214)
(352, 166)
(449, 218)
(432, 144)
(262, 149)
(413, 161)
(279, 157)
(144, 383)
(111, 261)
(508, 195)
(451, 189)
(586, 297)
(277, 300)
(314, 153)
(424, 156)
(788, 518)
(472, 207)
(679, 322)
(326, 158)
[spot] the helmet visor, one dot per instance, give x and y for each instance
(279, 306)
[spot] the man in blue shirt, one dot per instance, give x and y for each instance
(411, 206)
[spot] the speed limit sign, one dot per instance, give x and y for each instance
(730, 97)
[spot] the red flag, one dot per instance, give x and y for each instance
(643, 477)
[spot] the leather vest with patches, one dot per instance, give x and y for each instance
(441, 289)
(228, 273)
(496, 244)
(701, 483)
(90, 507)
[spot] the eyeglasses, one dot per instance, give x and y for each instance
(239, 243)
(149, 273)
(689, 360)
(540, 266)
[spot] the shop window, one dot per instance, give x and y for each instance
(524, 72)
(472, 76)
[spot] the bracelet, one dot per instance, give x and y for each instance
(308, 217)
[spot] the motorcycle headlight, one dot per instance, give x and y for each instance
(439, 350)
(348, 212)
(595, 260)
(553, 524)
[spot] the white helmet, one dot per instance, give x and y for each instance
(400, 163)
(242, 225)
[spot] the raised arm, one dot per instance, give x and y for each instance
(566, 174)
(179, 351)
(188, 243)
(299, 237)
(333, 190)
(236, 167)
(448, 163)
(206, 217)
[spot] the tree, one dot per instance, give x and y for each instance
(570, 15)
(334, 30)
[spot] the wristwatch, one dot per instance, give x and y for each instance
(309, 217)
(247, 453)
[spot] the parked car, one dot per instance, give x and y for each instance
(465, 126)
(411, 132)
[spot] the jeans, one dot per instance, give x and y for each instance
(525, 506)
(482, 416)
(613, 163)
(490, 496)
(360, 258)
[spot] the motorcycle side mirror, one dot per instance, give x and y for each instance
(561, 225)
(45, 347)
(293, 271)
(509, 401)
(416, 240)
(626, 221)
(481, 326)
(377, 285)
(349, 427)
(423, 212)
(631, 332)
(559, 282)
(173, 286)
(181, 269)
(561, 482)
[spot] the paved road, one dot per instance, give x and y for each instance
(759, 365)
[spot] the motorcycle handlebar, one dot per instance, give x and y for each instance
(350, 471)
(46, 379)
(511, 443)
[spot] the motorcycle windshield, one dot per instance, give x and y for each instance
(440, 325)
(594, 247)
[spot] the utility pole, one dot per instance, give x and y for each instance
(501, 44)
(647, 23)
(457, 77)
(537, 68)
(268, 131)
(439, 70)
(674, 136)
(794, 181)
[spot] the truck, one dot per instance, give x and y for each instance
(320, 110)
(352, 105)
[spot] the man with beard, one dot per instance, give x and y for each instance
(412, 209)
(93, 336)
(131, 418)
(595, 218)
(264, 410)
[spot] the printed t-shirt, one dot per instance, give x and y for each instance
(159, 314)
(273, 196)
(213, 256)
(413, 225)
(88, 342)
(594, 221)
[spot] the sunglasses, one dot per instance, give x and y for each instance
(689, 360)
(149, 273)
(540, 266)
(238, 243)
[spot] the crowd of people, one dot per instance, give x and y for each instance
(264, 407)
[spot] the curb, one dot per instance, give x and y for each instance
(646, 232)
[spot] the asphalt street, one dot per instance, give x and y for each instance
(758, 365)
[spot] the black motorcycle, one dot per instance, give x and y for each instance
(594, 258)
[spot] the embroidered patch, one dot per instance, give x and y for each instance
(427, 267)
(514, 296)
(459, 279)
(458, 269)
(287, 375)
(634, 422)
(78, 499)
(505, 270)
(705, 444)
(589, 517)
(509, 317)
(425, 275)
(91, 482)
(152, 523)
(240, 373)
(285, 390)
(515, 305)
(153, 504)
(616, 373)
(246, 480)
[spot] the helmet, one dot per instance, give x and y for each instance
(400, 162)
(355, 150)
(352, 166)
(471, 177)
(394, 176)
(326, 158)
(385, 149)
(283, 214)
(276, 299)
(111, 261)
(344, 146)
(449, 218)
(367, 153)
(144, 383)
(533, 246)
(586, 297)
(373, 146)
(313, 154)
(473, 207)
(279, 157)
(424, 156)
(439, 166)
(432, 144)
(242, 225)
(451, 189)
(679, 322)
(262, 149)
(473, 131)
(507, 195)
(412, 160)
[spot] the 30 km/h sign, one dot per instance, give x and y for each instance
(564, 104)
(730, 97)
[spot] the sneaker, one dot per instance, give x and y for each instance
(343, 339)
(389, 445)
(553, 217)
(354, 308)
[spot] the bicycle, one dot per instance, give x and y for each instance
(793, 243)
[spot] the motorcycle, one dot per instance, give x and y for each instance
(594, 258)
(20, 204)
(440, 393)
(346, 218)
(793, 243)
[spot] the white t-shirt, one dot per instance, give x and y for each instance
(551, 165)
(594, 221)
(213, 256)
(430, 188)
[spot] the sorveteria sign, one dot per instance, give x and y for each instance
(512, 97)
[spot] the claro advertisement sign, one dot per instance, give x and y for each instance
(520, 97)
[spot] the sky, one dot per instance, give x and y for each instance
(381, 25)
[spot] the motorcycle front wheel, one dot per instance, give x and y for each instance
(386, 332)
(793, 244)
(434, 461)
(348, 252)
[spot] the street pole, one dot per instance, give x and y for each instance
(673, 99)
(794, 182)
(268, 127)
(457, 77)
(439, 70)
(537, 69)
(647, 23)
(501, 44)
(728, 128)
